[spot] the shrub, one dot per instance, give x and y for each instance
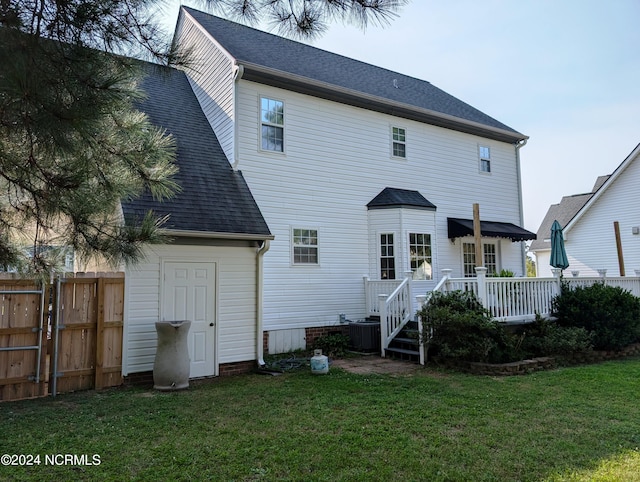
(458, 327)
(334, 344)
(545, 337)
(611, 313)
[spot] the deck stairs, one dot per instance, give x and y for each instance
(405, 345)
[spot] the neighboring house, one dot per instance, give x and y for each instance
(210, 272)
(358, 171)
(563, 213)
(588, 224)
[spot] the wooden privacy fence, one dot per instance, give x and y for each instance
(60, 337)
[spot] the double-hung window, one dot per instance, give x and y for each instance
(272, 125)
(484, 153)
(305, 246)
(420, 256)
(398, 142)
(387, 257)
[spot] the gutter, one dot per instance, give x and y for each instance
(298, 83)
(217, 235)
(260, 252)
(519, 145)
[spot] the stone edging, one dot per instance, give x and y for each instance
(523, 367)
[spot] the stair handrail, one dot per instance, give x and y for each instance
(395, 311)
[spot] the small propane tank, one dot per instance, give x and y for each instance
(319, 363)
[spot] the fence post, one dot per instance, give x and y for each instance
(481, 273)
(382, 307)
(446, 275)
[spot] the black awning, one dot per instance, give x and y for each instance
(457, 228)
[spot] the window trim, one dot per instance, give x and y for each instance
(394, 257)
(482, 159)
(497, 263)
(294, 245)
(394, 141)
(429, 258)
(261, 123)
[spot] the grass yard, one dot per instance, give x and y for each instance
(577, 424)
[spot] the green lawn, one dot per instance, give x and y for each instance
(580, 423)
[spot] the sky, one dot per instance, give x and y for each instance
(566, 73)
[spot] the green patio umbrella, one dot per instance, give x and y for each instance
(558, 254)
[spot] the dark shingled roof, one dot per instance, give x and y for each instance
(214, 197)
(284, 58)
(563, 213)
(391, 197)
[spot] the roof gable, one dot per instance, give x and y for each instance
(281, 62)
(214, 197)
(563, 213)
(635, 154)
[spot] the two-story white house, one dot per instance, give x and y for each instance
(315, 189)
(358, 171)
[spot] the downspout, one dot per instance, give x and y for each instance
(519, 145)
(260, 252)
(237, 75)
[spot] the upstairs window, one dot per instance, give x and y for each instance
(485, 159)
(399, 142)
(387, 257)
(305, 246)
(272, 124)
(420, 256)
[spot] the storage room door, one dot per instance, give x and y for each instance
(189, 294)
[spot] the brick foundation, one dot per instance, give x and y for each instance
(138, 379)
(224, 370)
(236, 368)
(312, 334)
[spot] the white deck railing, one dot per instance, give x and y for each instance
(508, 300)
(521, 299)
(395, 309)
(373, 289)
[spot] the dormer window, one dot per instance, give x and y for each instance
(399, 142)
(272, 125)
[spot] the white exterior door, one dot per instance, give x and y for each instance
(189, 293)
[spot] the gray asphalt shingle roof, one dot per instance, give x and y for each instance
(249, 45)
(214, 197)
(563, 213)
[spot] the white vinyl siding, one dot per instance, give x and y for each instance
(235, 309)
(337, 161)
(211, 75)
(591, 243)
